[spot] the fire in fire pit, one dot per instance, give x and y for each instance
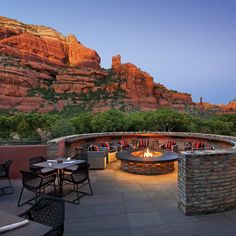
(147, 153)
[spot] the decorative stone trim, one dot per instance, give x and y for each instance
(147, 168)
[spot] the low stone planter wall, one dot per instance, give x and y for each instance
(207, 181)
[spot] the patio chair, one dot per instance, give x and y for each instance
(143, 143)
(4, 175)
(78, 156)
(79, 177)
(40, 170)
(170, 145)
(35, 183)
(198, 146)
(124, 144)
(49, 211)
(97, 159)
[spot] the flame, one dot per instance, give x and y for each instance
(147, 153)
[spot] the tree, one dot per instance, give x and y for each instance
(136, 121)
(219, 127)
(82, 123)
(62, 128)
(167, 120)
(109, 121)
(23, 129)
(229, 118)
(6, 127)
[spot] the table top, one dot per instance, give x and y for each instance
(32, 228)
(55, 165)
(126, 155)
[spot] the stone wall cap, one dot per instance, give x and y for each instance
(73, 138)
(208, 152)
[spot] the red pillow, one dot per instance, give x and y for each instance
(106, 144)
(198, 145)
(168, 144)
(125, 143)
(94, 148)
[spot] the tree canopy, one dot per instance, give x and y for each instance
(73, 120)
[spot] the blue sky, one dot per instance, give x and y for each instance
(187, 45)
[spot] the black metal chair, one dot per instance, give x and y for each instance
(35, 183)
(79, 178)
(4, 175)
(49, 211)
(78, 156)
(81, 156)
(40, 170)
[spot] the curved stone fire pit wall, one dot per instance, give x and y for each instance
(207, 181)
(65, 146)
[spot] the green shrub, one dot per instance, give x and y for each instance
(62, 127)
(82, 123)
(109, 121)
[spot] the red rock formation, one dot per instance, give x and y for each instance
(75, 80)
(144, 92)
(39, 66)
(33, 57)
(40, 43)
(116, 62)
(138, 84)
(78, 55)
(229, 108)
(170, 98)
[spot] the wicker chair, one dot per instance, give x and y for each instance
(35, 183)
(79, 178)
(40, 170)
(4, 175)
(48, 211)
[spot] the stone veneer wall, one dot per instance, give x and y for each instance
(207, 181)
(65, 146)
(56, 148)
(147, 168)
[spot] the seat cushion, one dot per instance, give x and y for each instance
(77, 178)
(47, 170)
(71, 168)
(48, 180)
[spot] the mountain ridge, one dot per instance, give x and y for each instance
(42, 70)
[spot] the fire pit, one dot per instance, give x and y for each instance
(147, 162)
(147, 153)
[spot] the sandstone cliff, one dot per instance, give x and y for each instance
(229, 108)
(42, 70)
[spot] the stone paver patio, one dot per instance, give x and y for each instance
(129, 204)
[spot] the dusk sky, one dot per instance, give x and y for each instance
(187, 45)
